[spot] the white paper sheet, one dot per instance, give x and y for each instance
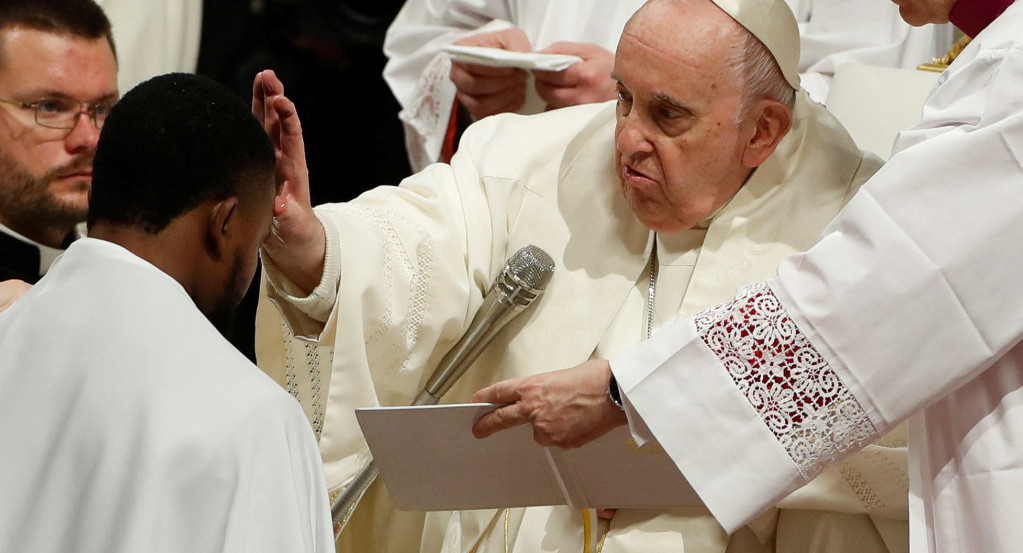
(429, 460)
(496, 57)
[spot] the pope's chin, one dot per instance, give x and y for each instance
(640, 206)
(917, 19)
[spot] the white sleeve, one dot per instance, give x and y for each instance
(701, 416)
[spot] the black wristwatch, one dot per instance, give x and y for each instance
(613, 394)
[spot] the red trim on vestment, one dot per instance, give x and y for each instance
(447, 148)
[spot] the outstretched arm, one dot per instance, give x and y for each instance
(297, 243)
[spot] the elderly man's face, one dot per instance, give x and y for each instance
(678, 147)
(45, 174)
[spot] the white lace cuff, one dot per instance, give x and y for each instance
(807, 407)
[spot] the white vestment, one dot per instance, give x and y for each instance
(908, 306)
(128, 424)
(833, 32)
(414, 261)
(153, 37)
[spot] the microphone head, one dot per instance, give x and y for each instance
(531, 267)
(523, 279)
(526, 275)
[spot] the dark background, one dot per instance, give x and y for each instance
(329, 55)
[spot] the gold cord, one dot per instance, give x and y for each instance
(507, 515)
(940, 64)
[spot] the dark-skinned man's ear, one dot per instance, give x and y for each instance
(218, 227)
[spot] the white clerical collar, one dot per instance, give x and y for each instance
(46, 254)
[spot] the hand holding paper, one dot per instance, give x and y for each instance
(566, 408)
(488, 71)
(488, 89)
(586, 82)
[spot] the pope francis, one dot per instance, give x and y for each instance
(709, 168)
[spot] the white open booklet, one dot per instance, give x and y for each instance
(429, 460)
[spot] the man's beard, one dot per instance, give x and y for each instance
(27, 203)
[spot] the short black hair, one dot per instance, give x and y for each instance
(172, 143)
(79, 18)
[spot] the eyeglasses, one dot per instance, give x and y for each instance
(59, 113)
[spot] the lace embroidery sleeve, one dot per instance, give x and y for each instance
(813, 414)
(425, 119)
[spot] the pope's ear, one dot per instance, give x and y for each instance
(771, 121)
(222, 215)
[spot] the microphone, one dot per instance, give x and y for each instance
(522, 281)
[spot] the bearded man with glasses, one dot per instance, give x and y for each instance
(58, 81)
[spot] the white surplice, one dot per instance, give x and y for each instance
(407, 268)
(417, 70)
(128, 424)
(909, 305)
(834, 32)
